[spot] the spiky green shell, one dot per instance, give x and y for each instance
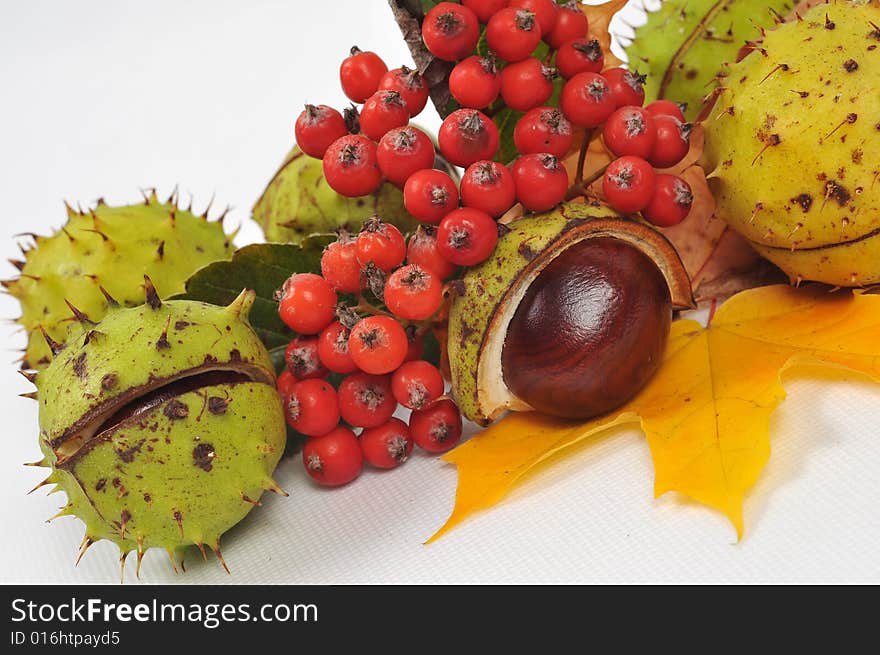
(98, 367)
(110, 247)
(489, 294)
(684, 44)
(166, 483)
(162, 423)
(791, 147)
(299, 202)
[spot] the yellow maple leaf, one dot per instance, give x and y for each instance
(706, 413)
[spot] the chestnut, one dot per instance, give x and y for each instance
(590, 330)
(569, 316)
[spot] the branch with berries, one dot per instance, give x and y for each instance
(525, 92)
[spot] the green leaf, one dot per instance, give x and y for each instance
(505, 121)
(262, 267)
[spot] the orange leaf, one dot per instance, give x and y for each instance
(599, 18)
(706, 413)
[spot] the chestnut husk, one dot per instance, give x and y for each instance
(486, 299)
(590, 330)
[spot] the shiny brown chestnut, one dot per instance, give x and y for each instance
(590, 330)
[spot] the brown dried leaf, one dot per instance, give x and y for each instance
(733, 266)
(697, 236)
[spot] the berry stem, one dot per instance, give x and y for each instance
(366, 307)
(580, 188)
(582, 158)
(580, 185)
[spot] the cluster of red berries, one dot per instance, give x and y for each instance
(362, 150)
(380, 357)
(641, 138)
(387, 148)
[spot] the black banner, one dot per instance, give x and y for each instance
(156, 618)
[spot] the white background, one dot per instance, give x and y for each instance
(102, 98)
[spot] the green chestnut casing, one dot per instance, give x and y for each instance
(161, 423)
(791, 145)
(298, 202)
(684, 44)
(111, 248)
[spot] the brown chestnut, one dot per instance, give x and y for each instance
(590, 330)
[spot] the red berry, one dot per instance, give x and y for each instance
(417, 384)
(388, 445)
(467, 236)
(423, 251)
(587, 100)
(541, 181)
(383, 111)
(526, 84)
(475, 82)
(402, 152)
(672, 142)
(308, 303)
(484, 9)
(350, 166)
(543, 129)
(466, 136)
(429, 195)
(366, 401)
(333, 459)
(301, 356)
(377, 344)
(285, 384)
(410, 85)
(512, 34)
(436, 428)
(580, 56)
(627, 87)
(671, 202)
(571, 23)
(450, 31)
(488, 186)
(380, 243)
(312, 408)
(360, 73)
(628, 184)
(413, 293)
(333, 349)
(630, 131)
(545, 12)
(317, 127)
(666, 108)
(340, 267)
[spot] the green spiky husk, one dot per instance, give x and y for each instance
(299, 202)
(684, 44)
(192, 463)
(113, 248)
(790, 150)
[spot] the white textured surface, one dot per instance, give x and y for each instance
(100, 98)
